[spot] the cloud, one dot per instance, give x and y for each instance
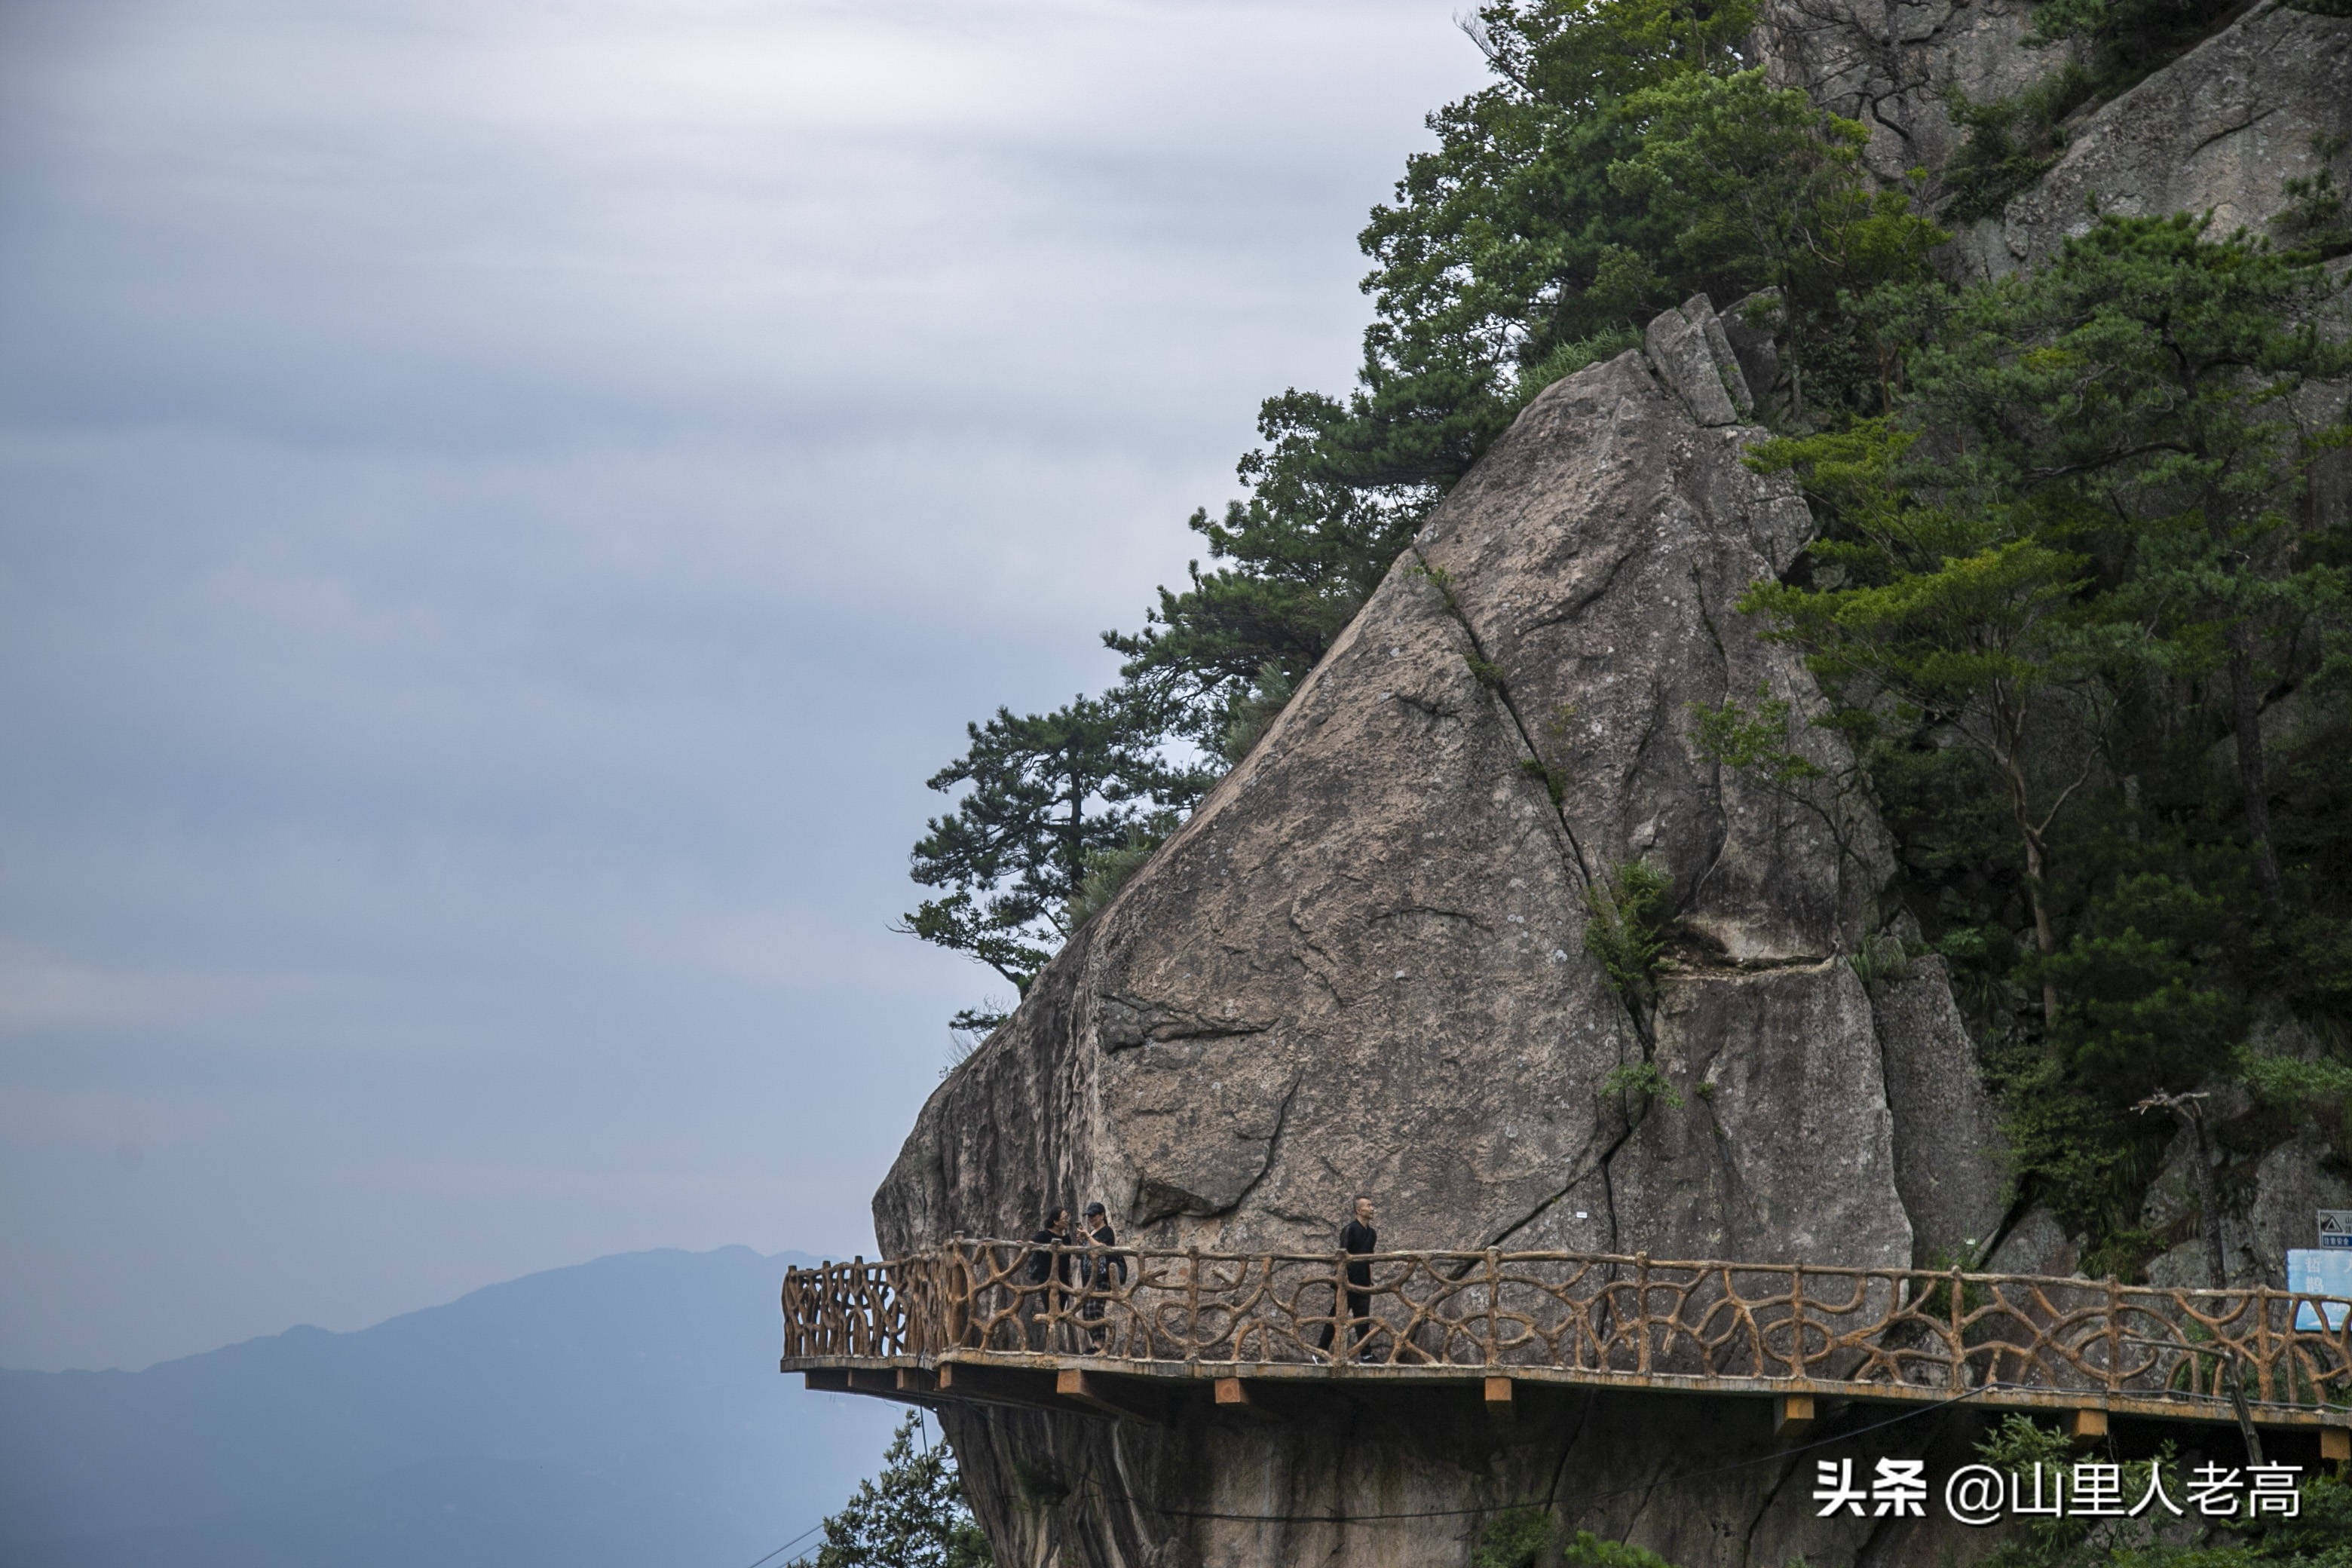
(48, 991)
(504, 504)
(511, 223)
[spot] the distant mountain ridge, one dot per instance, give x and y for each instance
(623, 1411)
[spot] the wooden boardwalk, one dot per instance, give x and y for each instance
(1132, 1332)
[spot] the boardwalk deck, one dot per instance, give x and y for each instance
(1124, 1332)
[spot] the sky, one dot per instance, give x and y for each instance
(502, 505)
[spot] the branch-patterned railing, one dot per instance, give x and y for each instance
(1579, 1312)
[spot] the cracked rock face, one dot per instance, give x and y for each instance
(2222, 128)
(1361, 967)
(1896, 65)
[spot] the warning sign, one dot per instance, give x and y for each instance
(2336, 1227)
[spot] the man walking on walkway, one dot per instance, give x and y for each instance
(1357, 1239)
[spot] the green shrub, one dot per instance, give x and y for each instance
(1627, 929)
(1645, 1079)
(1589, 1551)
(1107, 871)
(1515, 1538)
(2317, 217)
(2010, 142)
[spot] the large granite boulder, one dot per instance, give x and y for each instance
(1362, 966)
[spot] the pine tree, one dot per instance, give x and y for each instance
(1050, 796)
(1626, 156)
(2137, 391)
(1954, 620)
(913, 1515)
(2055, 591)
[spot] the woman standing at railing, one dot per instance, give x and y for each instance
(1049, 1276)
(1098, 1272)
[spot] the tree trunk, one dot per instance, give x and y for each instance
(2209, 1204)
(2045, 939)
(2246, 719)
(2217, 1266)
(2254, 780)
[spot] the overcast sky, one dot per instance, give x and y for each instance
(502, 503)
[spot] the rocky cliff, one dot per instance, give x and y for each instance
(1362, 966)
(1900, 66)
(2222, 128)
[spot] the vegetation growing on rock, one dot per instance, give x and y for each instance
(2319, 1536)
(2057, 588)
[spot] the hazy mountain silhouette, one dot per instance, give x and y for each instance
(622, 1414)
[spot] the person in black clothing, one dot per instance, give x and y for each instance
(1357, 1239)
(1048, 1269)
(1097, 1272)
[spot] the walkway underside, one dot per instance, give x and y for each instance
(1156, 1393)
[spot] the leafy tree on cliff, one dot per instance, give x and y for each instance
(913, 1515)
(1956, 618)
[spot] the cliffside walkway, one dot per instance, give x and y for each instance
(1129, 1332)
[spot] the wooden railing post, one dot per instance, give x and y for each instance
(2263, 1382)
(1797, 1321)
(1960, 1348)
(1493, 1305)
(825, 1303)
(861, 1321)
(2114, 1335)
(959, 1292)
(844, 1310)
(1192, 1304)
(1642, 1309)
(829, 1327)
(852, 1314)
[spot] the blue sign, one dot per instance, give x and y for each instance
(2320, 1271)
